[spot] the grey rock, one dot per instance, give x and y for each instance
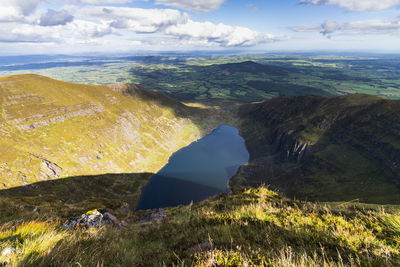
(109, 217)
(49, 170)
(200, 248)
(290, 149)
(125, 208)
(122, 225)
(92, 219)
(7, 251)
(154, 216)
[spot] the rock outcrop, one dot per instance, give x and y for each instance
(289, 148)
(156, 216)
(49, 170)
(92, 219)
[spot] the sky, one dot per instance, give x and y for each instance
(114, 26)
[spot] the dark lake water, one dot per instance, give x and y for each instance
(198, 171)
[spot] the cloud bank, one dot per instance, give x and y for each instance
(195, 5)
(221, 34)
(138, 20)
(86, 24)
(366, 27)
(356, 5)
(53, 18)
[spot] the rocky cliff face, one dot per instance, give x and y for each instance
(324, 148)
(289, 148)
(51, 129)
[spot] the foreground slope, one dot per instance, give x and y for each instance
(51, 129)
(331, 149)
(255, 227)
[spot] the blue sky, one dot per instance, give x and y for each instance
(79, 26)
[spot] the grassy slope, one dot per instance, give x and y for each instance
(351, 147)
(251, 227)
(87, 130)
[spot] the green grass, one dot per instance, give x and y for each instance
(352, 147)
(353, 139)
(90, 130)
(252, 227)
(202, 78)
(64, 198)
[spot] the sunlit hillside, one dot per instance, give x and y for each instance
(51, 129)
(253, 227)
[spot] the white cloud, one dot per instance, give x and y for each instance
(76, 24)
(98, 2)
(135, 19)
(220, 34)
(16, 10)
(366, 27)
(24, 6)
(356, 5)
(13, 10)
(81, 29)
(20, 33)
(78, 31)
(53, 18)
(195, 5)
(10, 13)
(136, 43)
(172, 22)
(330, 26)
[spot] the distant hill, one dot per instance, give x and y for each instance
(51, 129)
(329, 149)
(271, 79)
(253, 67)
(242, 82)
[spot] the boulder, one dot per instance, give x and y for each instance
(154, 216)
(7, 251)
(125, 208)
(92, 219)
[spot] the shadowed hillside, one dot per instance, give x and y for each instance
(331, 149)
(51, 129)
(71, 196)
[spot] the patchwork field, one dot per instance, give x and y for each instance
(229, 77)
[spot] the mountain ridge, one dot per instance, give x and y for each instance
(306, 146)
(51, 129)
(324, 148)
